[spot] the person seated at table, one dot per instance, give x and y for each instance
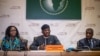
(46, 39)
(88, 42)
(12, 40)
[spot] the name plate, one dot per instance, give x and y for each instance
(54, 48)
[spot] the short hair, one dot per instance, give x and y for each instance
(45, 26)
(90, 29)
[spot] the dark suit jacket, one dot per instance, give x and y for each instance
(84, 43)
(51, 40)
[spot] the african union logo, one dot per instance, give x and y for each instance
(53, 7)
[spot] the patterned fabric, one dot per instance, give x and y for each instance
(8, 44)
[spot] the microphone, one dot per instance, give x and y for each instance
(86, 47)
(50, 42)
(83, 47)
(25, 53)
(5, 53)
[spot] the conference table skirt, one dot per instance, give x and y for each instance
(44, 53)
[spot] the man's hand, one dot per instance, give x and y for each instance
(42, 47)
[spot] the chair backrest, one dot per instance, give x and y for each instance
(34, 38)
(24, 43)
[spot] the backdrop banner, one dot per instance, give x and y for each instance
(67, 24)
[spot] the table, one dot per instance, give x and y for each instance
(44, 53)
(82, 53)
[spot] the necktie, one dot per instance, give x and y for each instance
(91, 43)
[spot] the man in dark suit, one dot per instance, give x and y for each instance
(46, 39)
(89, 42)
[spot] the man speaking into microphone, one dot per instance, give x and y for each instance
(46, 39)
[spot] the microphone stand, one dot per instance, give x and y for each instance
(88, 48)
(25, 53)
(5, 53)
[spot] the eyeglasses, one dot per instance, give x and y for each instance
(12, 30)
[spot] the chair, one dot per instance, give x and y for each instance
(23, 45)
